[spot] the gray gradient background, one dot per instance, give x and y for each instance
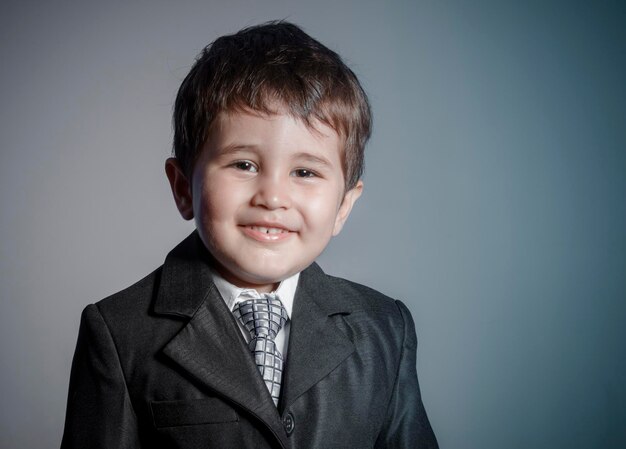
(494, 203)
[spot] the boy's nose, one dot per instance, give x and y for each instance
(272, 193)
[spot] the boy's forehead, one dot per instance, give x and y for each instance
(235, 124)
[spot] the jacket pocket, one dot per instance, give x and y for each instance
(191, 412)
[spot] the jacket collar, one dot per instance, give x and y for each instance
(316, 344)
(185, 279)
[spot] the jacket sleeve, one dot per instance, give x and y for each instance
(407, 425)
(99, 412)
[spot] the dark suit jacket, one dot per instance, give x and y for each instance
(163, 364)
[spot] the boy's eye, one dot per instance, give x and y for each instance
(245, 166)
(304, 173)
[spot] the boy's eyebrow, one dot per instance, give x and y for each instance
(312, 158)
(233, 148)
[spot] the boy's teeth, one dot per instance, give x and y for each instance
(267, 230)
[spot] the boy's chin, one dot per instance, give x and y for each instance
(261, 282)
(261, 286)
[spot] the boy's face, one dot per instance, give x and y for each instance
(267, 194)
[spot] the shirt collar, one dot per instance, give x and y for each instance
(232, 294)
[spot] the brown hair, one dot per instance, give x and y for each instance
(275, 62)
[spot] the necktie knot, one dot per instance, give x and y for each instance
(262, 317)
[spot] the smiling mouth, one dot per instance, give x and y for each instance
(269, 231)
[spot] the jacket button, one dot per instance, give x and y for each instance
(289, 423)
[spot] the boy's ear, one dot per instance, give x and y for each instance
(349, 199)
(181, 187)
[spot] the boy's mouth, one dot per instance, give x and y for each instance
(268, 230)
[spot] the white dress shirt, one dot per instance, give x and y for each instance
(232, 295)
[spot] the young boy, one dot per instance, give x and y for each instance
(240, 340)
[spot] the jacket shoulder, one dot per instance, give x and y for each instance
(133, 300)
(358, 296)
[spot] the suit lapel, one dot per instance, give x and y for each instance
(316, 345)
(210, 347)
